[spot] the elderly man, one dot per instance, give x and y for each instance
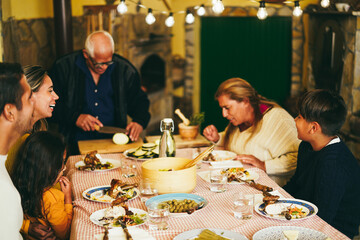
(97, 87)
(16, 107)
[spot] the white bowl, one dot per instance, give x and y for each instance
(342, 7)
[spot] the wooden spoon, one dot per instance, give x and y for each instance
(199, 157)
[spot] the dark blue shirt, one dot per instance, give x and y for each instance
(98, 100)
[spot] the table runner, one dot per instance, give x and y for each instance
(217, 214)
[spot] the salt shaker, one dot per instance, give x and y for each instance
(167, 142)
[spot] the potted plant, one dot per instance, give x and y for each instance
(189, 129)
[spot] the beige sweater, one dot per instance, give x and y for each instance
(275, 143)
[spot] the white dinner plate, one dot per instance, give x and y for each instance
(223, 233)
(115, 163)
(252, 176)
(178, 196)
(309, 208)
(96, 194)
(134, 158)
(222, 155)
(275, 233)
(96, 216)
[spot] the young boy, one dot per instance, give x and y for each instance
(327, 173)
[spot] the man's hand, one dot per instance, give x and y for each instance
(87, 122)
(134, 129)
(39, 231)
(211, 133)
(252, 160)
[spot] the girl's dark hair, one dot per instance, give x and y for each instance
(39, 161)
(325, 107)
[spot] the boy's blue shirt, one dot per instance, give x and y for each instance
(329, 178)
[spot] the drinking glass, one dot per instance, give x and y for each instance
(128, 168)
(158, 216)
(147, 189)
(243, 205)
(218, 180)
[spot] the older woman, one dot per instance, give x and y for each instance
(260, 131)
(44, 104)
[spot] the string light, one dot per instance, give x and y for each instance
(297, 9)
(262, 13)
(201, 10)
(189, 19)
(150, 19)
(122, 8)
(169, 22)
(325, 3)
(218, 7)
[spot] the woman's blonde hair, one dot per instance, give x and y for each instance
(35, 77)
(238, 89)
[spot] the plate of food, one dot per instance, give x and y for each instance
(219, 155)
(245, 175)
(204, 233)
(93, 162)
(109, 193)
(289, 233)
(181, 204)
(118, 215)
(287, 209)
(145, 152)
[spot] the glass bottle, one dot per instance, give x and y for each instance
(167, 142)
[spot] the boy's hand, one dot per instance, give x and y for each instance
(252, 160)
(65, 185)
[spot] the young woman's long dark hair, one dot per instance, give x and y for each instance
(37, 167)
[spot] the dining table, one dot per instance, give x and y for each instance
(217, 214)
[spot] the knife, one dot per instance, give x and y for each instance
(110, 130)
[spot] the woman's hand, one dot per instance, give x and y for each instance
(65, 185)
(252, 160)
(211, 133)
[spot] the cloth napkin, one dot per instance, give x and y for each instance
(118, 234)
(227, 164)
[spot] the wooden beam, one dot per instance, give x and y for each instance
(167, 5)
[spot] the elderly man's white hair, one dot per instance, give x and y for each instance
(89, 43)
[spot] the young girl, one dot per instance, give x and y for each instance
(40, 165)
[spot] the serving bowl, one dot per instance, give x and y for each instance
(342, 7)
(167, 175)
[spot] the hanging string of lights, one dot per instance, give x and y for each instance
(217, 8)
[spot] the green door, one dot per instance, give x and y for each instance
(246, 47)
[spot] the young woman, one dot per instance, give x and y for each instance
(259, 131)
(44, 103)
(42, 166)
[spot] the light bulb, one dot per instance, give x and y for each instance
(122, 8)
(189, 19)
(201, 10)
(325, 3)
(150, 19)
(297, 9)
(218, 7)
(169, 22)
(262, 13)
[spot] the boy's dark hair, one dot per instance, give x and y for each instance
(37, 166)
(10, 87)
(325, 107)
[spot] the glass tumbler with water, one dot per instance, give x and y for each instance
(158, 216)
(218, 180)
(147, 189)
(243, 205)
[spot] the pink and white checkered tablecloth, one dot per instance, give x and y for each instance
(217, 214)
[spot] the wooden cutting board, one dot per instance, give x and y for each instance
(106, 146)
(199, 141)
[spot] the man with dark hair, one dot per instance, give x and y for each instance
(97, 87)
(16, 107)
(327, 173)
